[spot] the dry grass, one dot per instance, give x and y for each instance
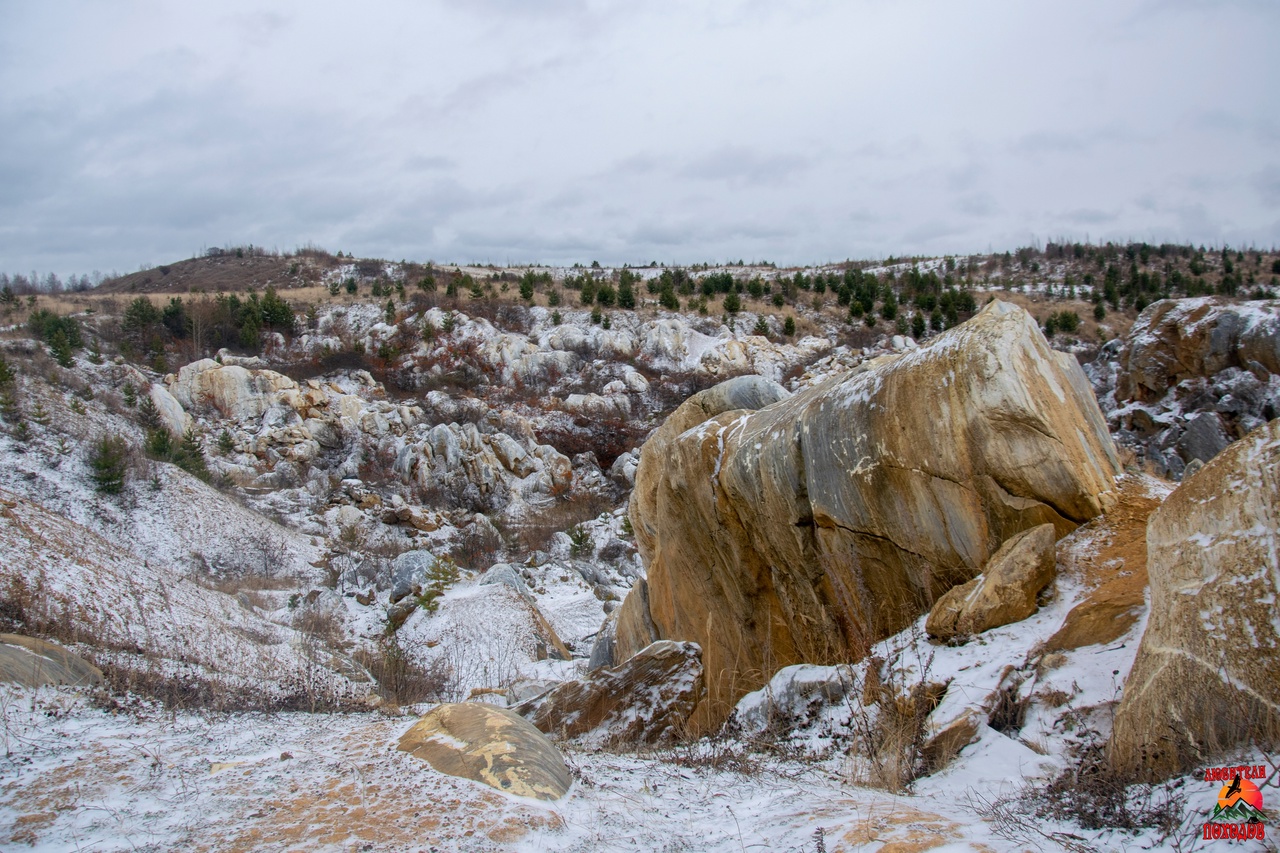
(401, 680)
(1040, 306)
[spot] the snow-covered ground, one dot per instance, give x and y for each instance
(78, 775)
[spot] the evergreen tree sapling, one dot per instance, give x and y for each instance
(108, 464)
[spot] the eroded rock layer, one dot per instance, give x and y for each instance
(803, 529)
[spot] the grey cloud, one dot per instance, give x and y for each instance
(541, 131)
(977, 204)
(429, 163)
(929, 233)
(1048, 142)
(741, 165)
(1267, 183)
(1088, 216)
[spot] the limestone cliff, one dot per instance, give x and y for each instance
(779, 530)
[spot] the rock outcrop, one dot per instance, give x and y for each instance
(647, 699)
(1192, 376)
(234, 391)
(1207, 673)
(1178, 339)
(489, 745)
(36, 663)
(1005, 592)
(811, 527)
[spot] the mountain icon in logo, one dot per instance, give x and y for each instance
(1238, 802)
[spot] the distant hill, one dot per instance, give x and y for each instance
(226, 272)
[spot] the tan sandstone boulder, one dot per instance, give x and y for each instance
(37, 663)
(646, 699)
(1207, 674)
(809, 528)
(1005, 592)
(489, 745)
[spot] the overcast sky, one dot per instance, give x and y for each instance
(570, 130)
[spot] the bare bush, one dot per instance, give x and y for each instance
(562, 513)
(322, 624)
(401, 680)
(478, 546)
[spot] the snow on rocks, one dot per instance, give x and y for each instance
(1192, 376)
(646, 699)
(492, 746)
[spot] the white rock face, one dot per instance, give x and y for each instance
(231, 390)
(175, 419)
(598, 406)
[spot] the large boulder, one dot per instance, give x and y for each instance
(37, 663)
(780, 530)
(1177, 339)
(1207, 673)
(647, 699)
(1005, 592)
(489, 745)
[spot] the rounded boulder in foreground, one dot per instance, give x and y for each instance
(490, 745)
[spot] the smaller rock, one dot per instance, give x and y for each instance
(1203, 438)
(792, 696)
(399, 613)
(648, 699)
(504, 573)
(410, 569)
(944, 745)
(489, 745)
(602, 650)
(1005, 592)
(524, 689)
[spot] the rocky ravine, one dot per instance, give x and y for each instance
(809, 528)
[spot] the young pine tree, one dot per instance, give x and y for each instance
(108, 464)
